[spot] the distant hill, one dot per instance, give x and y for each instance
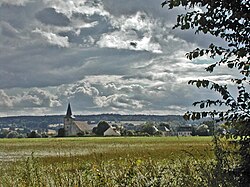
(42, 122)
(119, 117)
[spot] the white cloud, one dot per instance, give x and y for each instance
(5, 100)
(119, 40)
(77, 6)
(38, 97)
(81, 87)
(133, 32)
(53, 38)
(29, 99)
(118, 101)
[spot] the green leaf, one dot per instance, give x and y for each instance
(198, 84)
(195, 54)
(204, 114)
(193, 116)
(187, 26)
(201, 52)
(186, 116)
(230, 65)
(242, 52)
(198, 116)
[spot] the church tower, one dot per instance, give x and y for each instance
(68, 121)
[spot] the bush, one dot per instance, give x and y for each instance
(12, 134)
(101, 128)
(33, 134)
(61, 132)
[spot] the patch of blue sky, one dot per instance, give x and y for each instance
(204, 60)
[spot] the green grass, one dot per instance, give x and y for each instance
(109, 161)
(156, 147)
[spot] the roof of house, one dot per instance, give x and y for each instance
(163, 128)
(112, 132)
(184, 128)
(155, 128)
(83, 126)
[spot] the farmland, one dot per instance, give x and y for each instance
(98, 161)
(156, 147)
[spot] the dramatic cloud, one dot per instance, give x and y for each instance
(135, 32)
(102, 56)
(33, 98)
(38, 98)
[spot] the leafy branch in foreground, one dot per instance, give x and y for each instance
(238, 108)
(230, 21)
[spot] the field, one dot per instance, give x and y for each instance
(97, 161)
(106, 147)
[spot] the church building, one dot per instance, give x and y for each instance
(73, 127)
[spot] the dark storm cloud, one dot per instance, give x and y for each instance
(39, 68)
(42, 67)
(92, 26)
(51, 17)
(20, 17)
(8, 30)
(118, 7)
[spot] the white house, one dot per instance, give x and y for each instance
(111, 132)
(184, 131)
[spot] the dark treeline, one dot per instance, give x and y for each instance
(43, 121)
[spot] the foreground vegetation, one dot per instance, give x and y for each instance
(229, 21)
(133, 161)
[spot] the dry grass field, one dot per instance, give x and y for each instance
(107, 161)
(109, 147)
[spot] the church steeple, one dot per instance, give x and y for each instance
(69, 112)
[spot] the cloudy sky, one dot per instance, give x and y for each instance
(103, 56)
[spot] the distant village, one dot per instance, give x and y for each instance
(72, 127)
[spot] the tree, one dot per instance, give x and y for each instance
(202, 130)
(228, 20)
(211, 126)
(125, 132)
(33, 134)
(12, 134)
(149, 128)
(61, 132)
(165, 125)
(3, 133)
(101, 128)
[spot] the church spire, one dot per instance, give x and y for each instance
(69, 112)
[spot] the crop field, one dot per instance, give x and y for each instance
(105, 147)
(107, 161)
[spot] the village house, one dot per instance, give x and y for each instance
(111, 131)
(184, 131)
(51, 132)
(165, 131)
